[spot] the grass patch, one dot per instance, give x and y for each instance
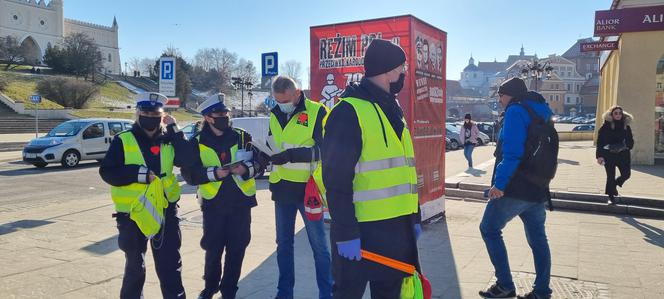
(22, 86)
(92, 113)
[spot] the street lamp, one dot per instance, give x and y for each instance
(536, 70)
(241, 83)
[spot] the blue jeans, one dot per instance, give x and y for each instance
(285, 217)
(533, 214)
(468, 153)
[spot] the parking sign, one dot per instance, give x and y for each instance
(269, 64)
(167, 76)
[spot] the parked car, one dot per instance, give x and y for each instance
(453, 134)
(190, 130)
(448, 145)
(591, 121)
(583, 128)
(488, 130)
(579, 120)
(482, 139)
(74, 141)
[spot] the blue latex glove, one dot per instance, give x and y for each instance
(418, 230)
(350, 249)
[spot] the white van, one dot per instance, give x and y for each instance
(75, 140)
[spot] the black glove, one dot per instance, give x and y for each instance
(281, 158)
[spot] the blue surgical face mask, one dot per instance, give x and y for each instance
(287, 108)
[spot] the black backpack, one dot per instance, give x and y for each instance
(540, 158)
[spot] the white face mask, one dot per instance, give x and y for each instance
(287, 108)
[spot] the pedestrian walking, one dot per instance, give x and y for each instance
(614, 145)
(296, 134)
(139, 167)
(224, 169)
(369, 174)
(525, 163)
(468, 136)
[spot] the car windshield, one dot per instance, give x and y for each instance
(452, 128)
(67, 129)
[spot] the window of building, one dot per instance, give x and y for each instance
(568, 87)
(15, 17)
(569, 74)
(109, 57)
(578, 87)
(557, 98)
(474, 74)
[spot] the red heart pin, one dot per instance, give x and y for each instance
(154, 149)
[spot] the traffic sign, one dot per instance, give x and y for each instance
(35, 99)
(167, 76)
(269, 64)
(270, 102)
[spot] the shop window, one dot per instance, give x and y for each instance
(659, 110)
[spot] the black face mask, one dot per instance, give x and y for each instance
(395, 87)
(149, 123)
(221, 123)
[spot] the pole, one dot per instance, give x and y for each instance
(242, 96)
(37, 120)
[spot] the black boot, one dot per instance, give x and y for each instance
(612, 199)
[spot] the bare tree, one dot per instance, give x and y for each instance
(146, 66)
(246, 70)
(293, 69)
(135, 64)
(10, 51)
(203, 59)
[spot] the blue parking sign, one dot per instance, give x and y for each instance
(269, 64)
(167, 69)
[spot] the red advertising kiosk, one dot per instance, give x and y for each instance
(337, 58)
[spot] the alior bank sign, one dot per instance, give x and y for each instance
(614, 22)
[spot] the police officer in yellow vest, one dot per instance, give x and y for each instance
(369, 173)
(223, 168)
(139, 167)
(296, 133)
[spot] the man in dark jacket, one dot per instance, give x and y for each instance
(118, 170)
(357, 165)
(296, 134)
(512, 195)
(226, 194)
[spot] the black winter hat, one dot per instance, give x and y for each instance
(513, 87)
(381, 57)
(467, 116)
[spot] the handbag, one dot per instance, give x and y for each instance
(313, 203)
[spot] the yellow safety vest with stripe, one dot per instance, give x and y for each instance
(297, 133)
(385, 183)
(210, 158)
(125, 196)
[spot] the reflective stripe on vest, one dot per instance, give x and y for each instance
(385, 182)
(210, 158)
(297, 133)
(124, 196)
(148, 211)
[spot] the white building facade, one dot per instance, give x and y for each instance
(36, 25)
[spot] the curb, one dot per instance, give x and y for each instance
(630, 206)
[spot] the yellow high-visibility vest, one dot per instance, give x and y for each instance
(385, 183)
(210, 158)
(124, 196)
(297, 133)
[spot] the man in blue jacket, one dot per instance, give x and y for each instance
(512, 195)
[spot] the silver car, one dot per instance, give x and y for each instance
(74, 141)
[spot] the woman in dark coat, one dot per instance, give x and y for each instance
(614, 143)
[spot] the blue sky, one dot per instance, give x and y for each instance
(489, 29)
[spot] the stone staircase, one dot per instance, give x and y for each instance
(14, 123)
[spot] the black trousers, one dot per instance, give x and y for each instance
(354, 289)
(622, 161)
(165, 251)
(230, 232)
